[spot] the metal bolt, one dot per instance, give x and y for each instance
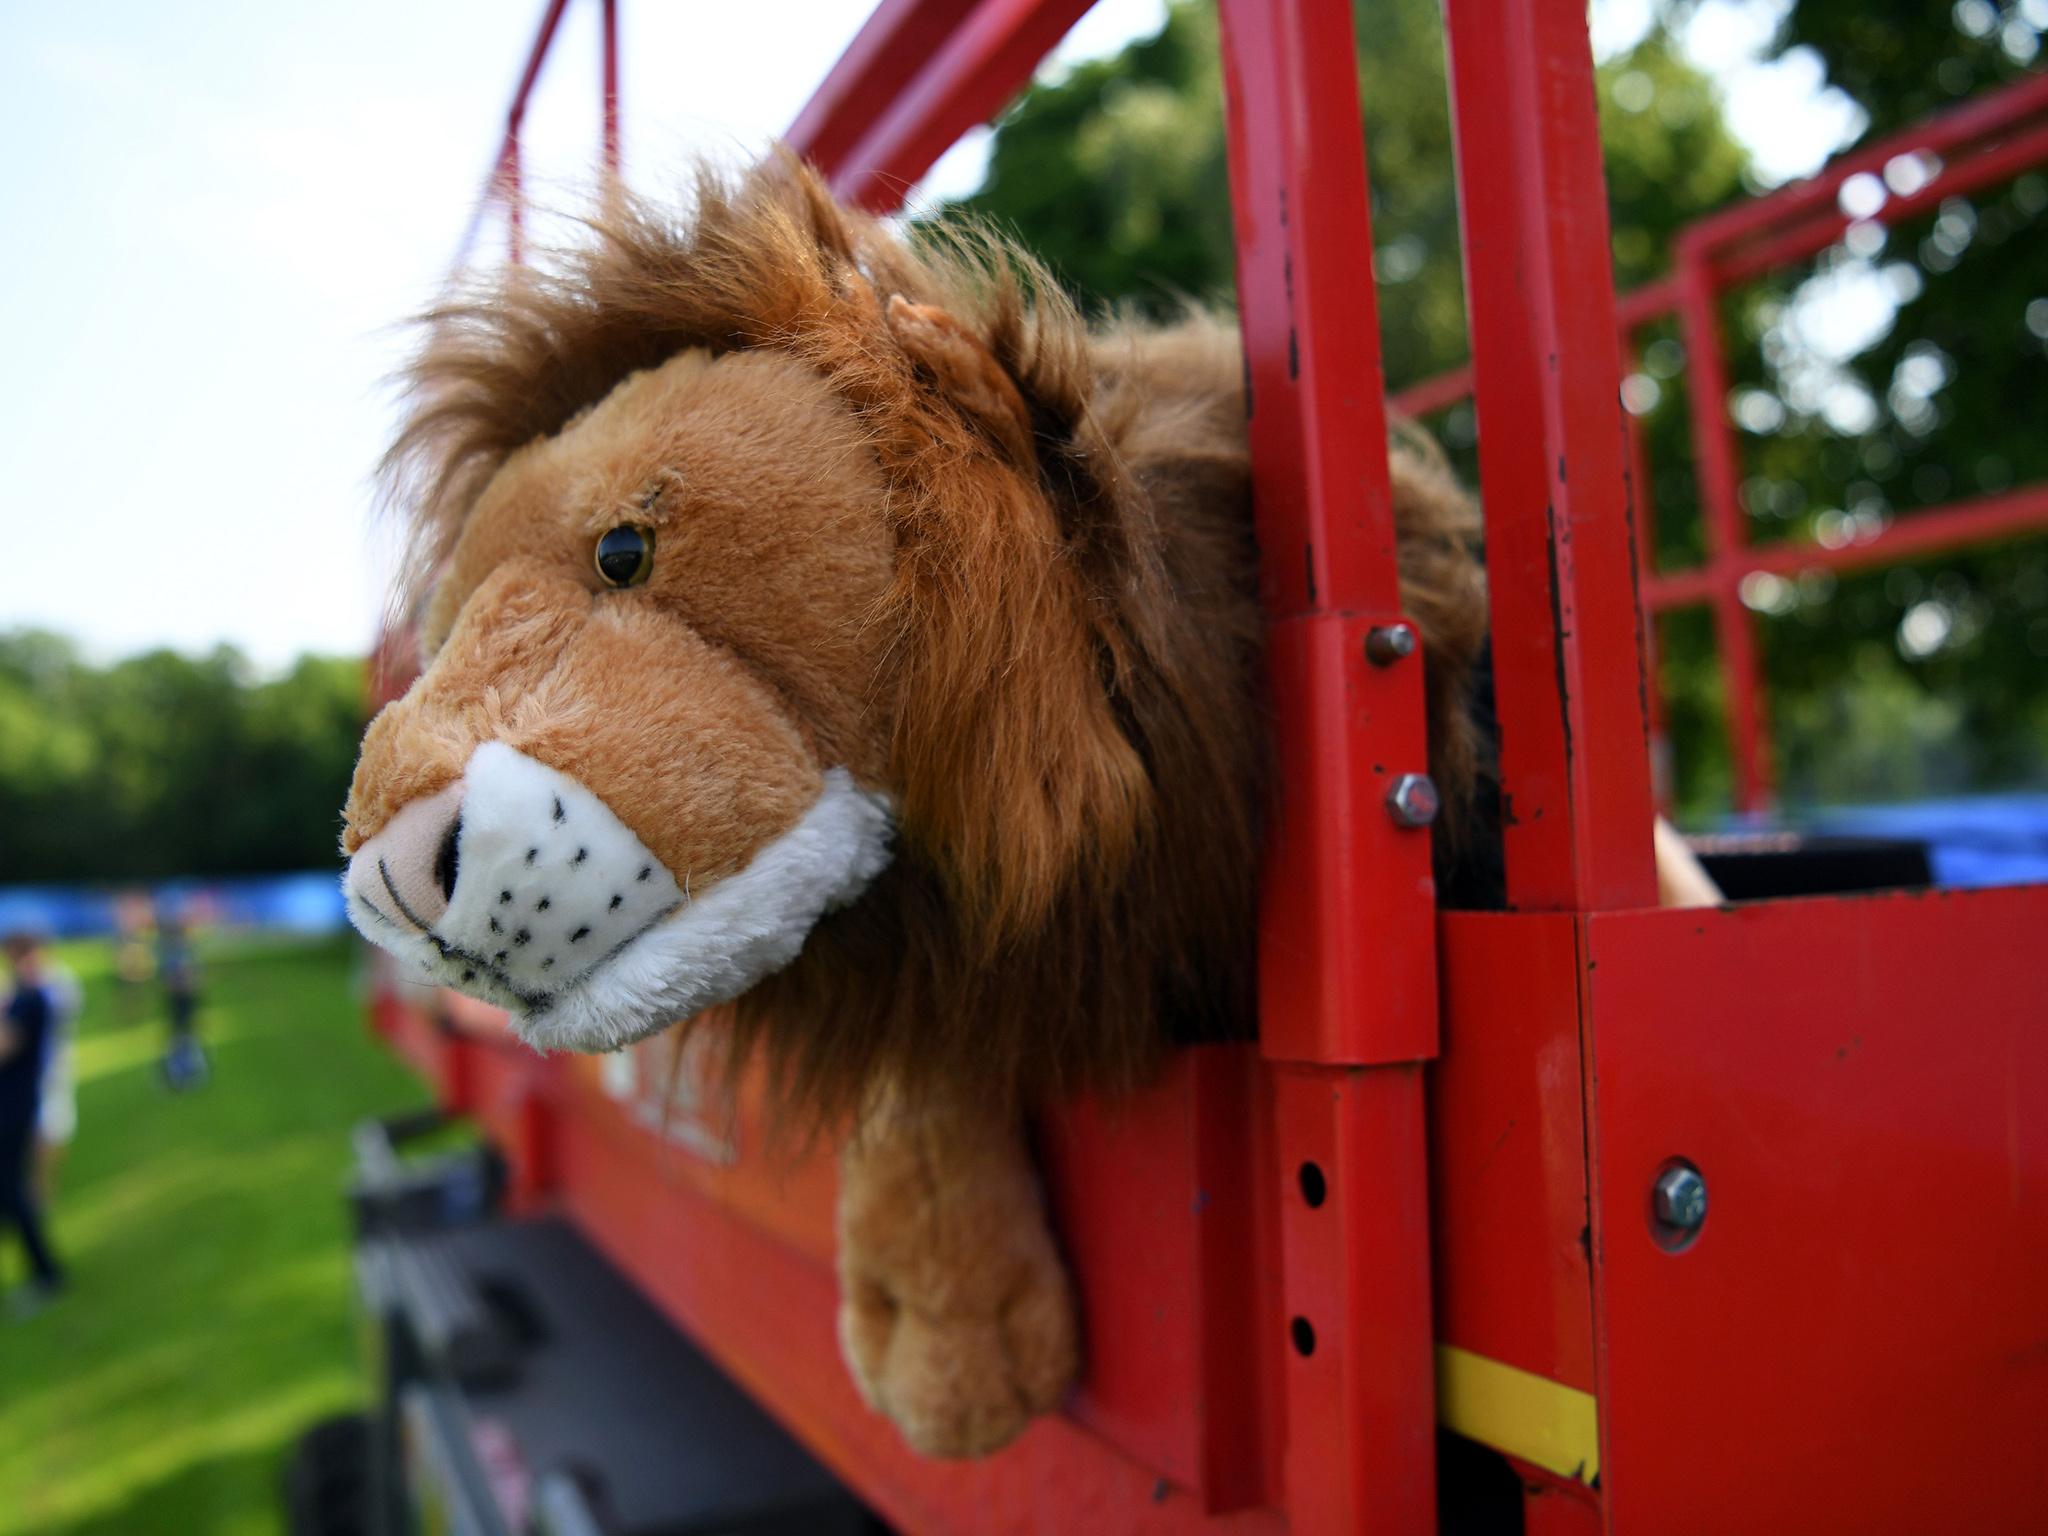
(1386, 644)
(1679, 1198)
(1413, 801)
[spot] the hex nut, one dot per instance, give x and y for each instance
(1414, 801)
(1679, 1198)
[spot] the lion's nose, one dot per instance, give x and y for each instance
(409, 869)
(513, 882)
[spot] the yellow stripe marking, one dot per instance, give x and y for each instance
(1542, 1421)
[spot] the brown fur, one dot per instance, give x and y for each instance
(1060, 660)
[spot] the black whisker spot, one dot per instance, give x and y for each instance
(499, 957)
(532, 854)
(545, 964)
(543, 904)
(578, 935)
(522, 937)
(503, 897)
(581, 855)
(496, 926)
(645, 871)
(560, 814)
(615, 903)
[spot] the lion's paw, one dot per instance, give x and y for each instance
(962, 1380)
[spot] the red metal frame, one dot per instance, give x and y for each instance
(1853, 1342)
(1978, 144)
(504, 186)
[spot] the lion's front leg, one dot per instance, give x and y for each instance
(955, 1312)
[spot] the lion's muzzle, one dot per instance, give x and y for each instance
(518, 885)
(516, 879)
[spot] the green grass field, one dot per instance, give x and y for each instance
(209, 1316)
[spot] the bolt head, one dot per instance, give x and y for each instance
(1413, 801)
(1679, 1199)
(1386, 644)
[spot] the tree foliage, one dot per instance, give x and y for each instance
(163, 765)
(1920, 680)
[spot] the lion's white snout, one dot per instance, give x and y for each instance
(520, 886)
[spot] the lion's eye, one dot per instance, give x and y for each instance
(626, 555)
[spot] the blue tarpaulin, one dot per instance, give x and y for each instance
(309, 902)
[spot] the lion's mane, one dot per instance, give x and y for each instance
(1077, 743)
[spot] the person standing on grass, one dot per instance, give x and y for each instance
(25, 1027)
(184, 1063)
(57, 1118)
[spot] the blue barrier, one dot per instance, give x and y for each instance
(307, 902)
(1987, 840)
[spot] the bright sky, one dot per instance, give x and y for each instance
(217, 212)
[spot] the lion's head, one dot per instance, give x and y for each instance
(831, 622)
(758, 566)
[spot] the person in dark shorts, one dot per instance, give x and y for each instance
(184, 1063)
(25, 1029)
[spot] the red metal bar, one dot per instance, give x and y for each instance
(611, 88)
(988, 55)
(2015, 514)
(504, 182)
(892, 47)
(1433, 394)
(1639, 306)
(1561, 543)
(1360, 1392)
(1970, 171)
(508, 187)
(1641, 492)
(1339, 866)
(1987, 115)
(1718, 458)
(508, 179)
(1347, 951)
(1634, 309)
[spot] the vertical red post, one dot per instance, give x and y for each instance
(508, 157)
(1662, 788)
(611, 88)
(508, 188)
(1560, 531)
(1720, 480)
(1347, 1005)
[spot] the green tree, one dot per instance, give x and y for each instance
(1115, 173)
(1928, 678)
(163, 764)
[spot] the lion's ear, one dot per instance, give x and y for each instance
(954, 360)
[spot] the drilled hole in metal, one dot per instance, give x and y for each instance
(1314, 1189)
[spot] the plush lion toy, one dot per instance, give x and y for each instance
(838, 627)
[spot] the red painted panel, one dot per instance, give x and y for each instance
(766, 1310)
(1153, 1200)
(1507, 1137)
(1858, 1339)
